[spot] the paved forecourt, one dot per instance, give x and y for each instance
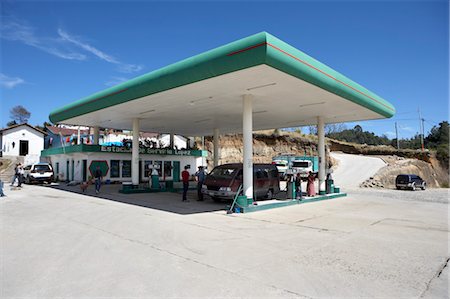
(63, 244)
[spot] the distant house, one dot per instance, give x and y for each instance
(22, 140)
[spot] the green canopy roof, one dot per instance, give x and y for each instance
(261, 49)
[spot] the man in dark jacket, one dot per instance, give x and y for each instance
(98, 175)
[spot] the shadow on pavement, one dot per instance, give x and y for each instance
(164, 201)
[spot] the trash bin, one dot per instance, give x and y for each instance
(329, 186)
(242, 201)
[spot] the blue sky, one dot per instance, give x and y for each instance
(53, 53)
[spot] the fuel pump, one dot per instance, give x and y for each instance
(294, 188)
(290, 181)
(155, 176)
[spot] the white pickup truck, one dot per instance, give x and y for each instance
(303, 167)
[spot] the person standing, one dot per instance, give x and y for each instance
(98, 175)
(298, 186)
(310, 186)
(1, 189)
(200, 176)
(16, 175)
(20, 177)
(185, 179)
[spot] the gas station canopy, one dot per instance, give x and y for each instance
(202, 93)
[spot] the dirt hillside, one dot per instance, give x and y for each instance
(269, 143)
(432, 173)
(266, 144)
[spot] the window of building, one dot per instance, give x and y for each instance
(167, 168)
(126, 168)
(115, 168)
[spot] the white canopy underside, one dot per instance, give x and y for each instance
(279, 101)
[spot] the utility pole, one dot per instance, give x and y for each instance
(421, 129)
(396, 134)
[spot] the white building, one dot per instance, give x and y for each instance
(78, 162)
(22, 140)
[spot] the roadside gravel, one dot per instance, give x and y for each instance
(429, 195)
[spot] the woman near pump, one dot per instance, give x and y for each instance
(310, 186)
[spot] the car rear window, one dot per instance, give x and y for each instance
(223, 172)
(300, 164)
(42, 168)
(403, 178)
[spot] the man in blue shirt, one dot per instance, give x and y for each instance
(200, 176)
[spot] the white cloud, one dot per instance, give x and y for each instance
(409, 129)
(130, 68)
(389, 134)
(64, 45)
(115, 81)
(122, 67)
(10, 82)
(74, 40)
(16, 31)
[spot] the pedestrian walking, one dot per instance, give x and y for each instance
(200, 176)
(20, 177)
(1, 189)
(98, 175)
(16, 175)
(185, 179)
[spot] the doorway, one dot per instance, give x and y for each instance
(83, 170)
(23, 147)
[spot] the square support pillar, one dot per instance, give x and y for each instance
(247, 132)
(322, 159)
(135, 153)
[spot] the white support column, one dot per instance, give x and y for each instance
(216, 147)
(247, 132)
(322, 160)
(79, 136)
(135, 153)
(96, 135)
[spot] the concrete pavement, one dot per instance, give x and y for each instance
(60, 244)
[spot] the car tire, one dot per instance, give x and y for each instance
(424, 186)
(269, 194)
(413, 187)
(28, 180)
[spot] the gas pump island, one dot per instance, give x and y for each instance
(255, 83)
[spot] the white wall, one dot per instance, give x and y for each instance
(35, 141)
(78, 158)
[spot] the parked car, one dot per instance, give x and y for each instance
(38, 172)
(224, 181)
(410, 181)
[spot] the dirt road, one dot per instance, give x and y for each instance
(354, 169)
